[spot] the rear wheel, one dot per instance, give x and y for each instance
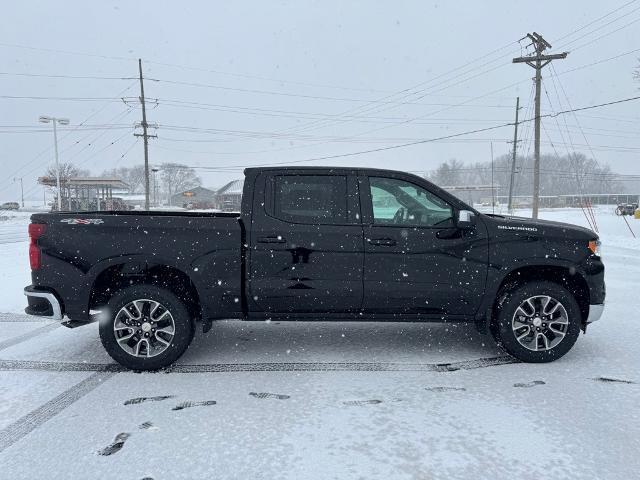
(146, 327)
(537, 322)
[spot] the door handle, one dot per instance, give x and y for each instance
(385, 242)
(449, 233)
(272, 239)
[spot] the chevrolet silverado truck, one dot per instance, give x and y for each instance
(316, 243)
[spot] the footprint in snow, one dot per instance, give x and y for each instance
(359, 403)
(445, 389)
(116, 446)
(269, 395)
(147, 426)
(187, 404)
(135, 401)
(529, 384)
(613, 380)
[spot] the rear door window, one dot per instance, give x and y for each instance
(317, 199)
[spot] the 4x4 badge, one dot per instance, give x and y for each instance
(82, 221)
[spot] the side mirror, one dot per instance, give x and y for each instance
(466, 219)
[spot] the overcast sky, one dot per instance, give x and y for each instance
(291, 81)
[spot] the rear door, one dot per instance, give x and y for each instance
(306, 245)
(416, 260)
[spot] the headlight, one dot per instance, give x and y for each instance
(595, 247)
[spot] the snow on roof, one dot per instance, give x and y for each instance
(85, 182)
(233, 187)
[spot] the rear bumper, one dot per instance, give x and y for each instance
(595, 312)
(43, 303)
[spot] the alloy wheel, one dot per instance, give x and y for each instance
(144, 328)
(540, 323)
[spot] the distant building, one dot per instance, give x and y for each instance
(197, 197)
(133, 200)
(87, 193)
(229, 197)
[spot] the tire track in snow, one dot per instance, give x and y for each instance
(102, 372)
(22, 318)
(15, 365)
(27, 336)
(34, 419)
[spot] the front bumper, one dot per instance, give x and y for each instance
(595, 312)
(43, 303)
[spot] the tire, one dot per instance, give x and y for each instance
(524, 312)
(146, 327)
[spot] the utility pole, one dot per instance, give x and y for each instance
(493, 188)
(538, 61)
(513, 159)
(145, 137)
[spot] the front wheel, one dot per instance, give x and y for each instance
(537, 322)
(145, 327)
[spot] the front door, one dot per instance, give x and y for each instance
(306, 246)
(416, 260)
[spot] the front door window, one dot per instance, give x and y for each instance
(397, 202)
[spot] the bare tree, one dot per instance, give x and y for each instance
(176, 178)
(448, 173)
(573, 173)
(132, 176)
(67, 171)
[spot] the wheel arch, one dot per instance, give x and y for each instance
(567, 277)
(137, 271)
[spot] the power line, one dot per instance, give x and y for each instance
(598, 62)
(606, 35)
(621, 7)
(262, 78)
(91, 143)
(75, 77)
(89, 117)
(66, 52)
(625, 15)
(70, 99)
(429, 140)
(262, 134)
(83, 129)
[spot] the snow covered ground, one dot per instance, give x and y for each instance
(325, 400)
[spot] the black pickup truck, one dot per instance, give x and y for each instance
(316, 243)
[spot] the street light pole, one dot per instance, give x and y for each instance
(55, 143)
(21, 190)
(55, 121)
(155, 186)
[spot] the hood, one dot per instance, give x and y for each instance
(541, 227)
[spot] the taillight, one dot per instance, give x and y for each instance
(595, 247)
(36, 230)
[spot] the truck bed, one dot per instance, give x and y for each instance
(78, 247)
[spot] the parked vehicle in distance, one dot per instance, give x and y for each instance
(316, 243)
(10, 206)
(626, 209)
